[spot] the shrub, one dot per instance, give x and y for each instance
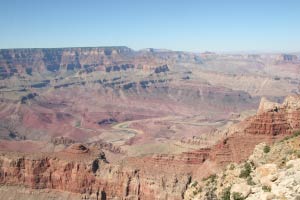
(296, 134)
(250, 181)
(297, 153)
(226, 194)
(195, 192)
(245, 173)
(231, 167)
(266, 149)
(237, 196)
(210, 194)
(223, 176)
(200, 190)
(211, 178)
(194, 184)
(266, 188)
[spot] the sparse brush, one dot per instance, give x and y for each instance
(211, 178)
(296, 134)
(237, 196)
(226, 194)
(194, 184)
(267, 149)
(245, 173)
(250, 181)
(266, 188)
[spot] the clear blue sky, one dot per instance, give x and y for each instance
(192, 25)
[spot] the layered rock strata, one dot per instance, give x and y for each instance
(85, 170)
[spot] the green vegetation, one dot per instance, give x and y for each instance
(252, 164)
(266, 188)
(211, 186)
(199, 190)
(296, 134)
(194, 184)
(237, 196)
(267, 149)
(250, 181)
(223, 176)
(211, 193)
(211, 178)
(226, 194)
(245, 173)
(297, 153)
(195, 192)
(232, 167)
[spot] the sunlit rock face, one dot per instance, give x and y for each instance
(111, 122)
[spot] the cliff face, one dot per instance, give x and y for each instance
(29, 61)
(80, 170)
(271, 123)
(85, 170)
(274, 119)
(271, 172)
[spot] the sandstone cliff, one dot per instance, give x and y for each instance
(272, 122)
(85, 170)
(271, 172)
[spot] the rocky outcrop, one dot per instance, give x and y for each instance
(271, 172)
(80, 169)
(85, 169)
(107, 146)
(66, 172)
(21, 192)
(274, 118)
(271, 123)
(77, 149)
(237, 148)
(13, 61)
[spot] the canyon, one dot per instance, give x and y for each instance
(114, 123)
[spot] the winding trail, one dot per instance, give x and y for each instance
(124, 126)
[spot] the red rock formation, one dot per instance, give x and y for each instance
(237, 147)
(272, 122)
(84, 170)
(92, 177)
(275, 119)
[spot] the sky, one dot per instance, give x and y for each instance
(187, 25)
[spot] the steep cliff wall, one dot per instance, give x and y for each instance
(271, 123)
(84, 170)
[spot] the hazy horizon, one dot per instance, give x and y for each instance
(164, 49)
(194, 26)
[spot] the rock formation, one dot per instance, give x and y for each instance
(271, 123)
(85, 170)
(111, 122)
(271, 172)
